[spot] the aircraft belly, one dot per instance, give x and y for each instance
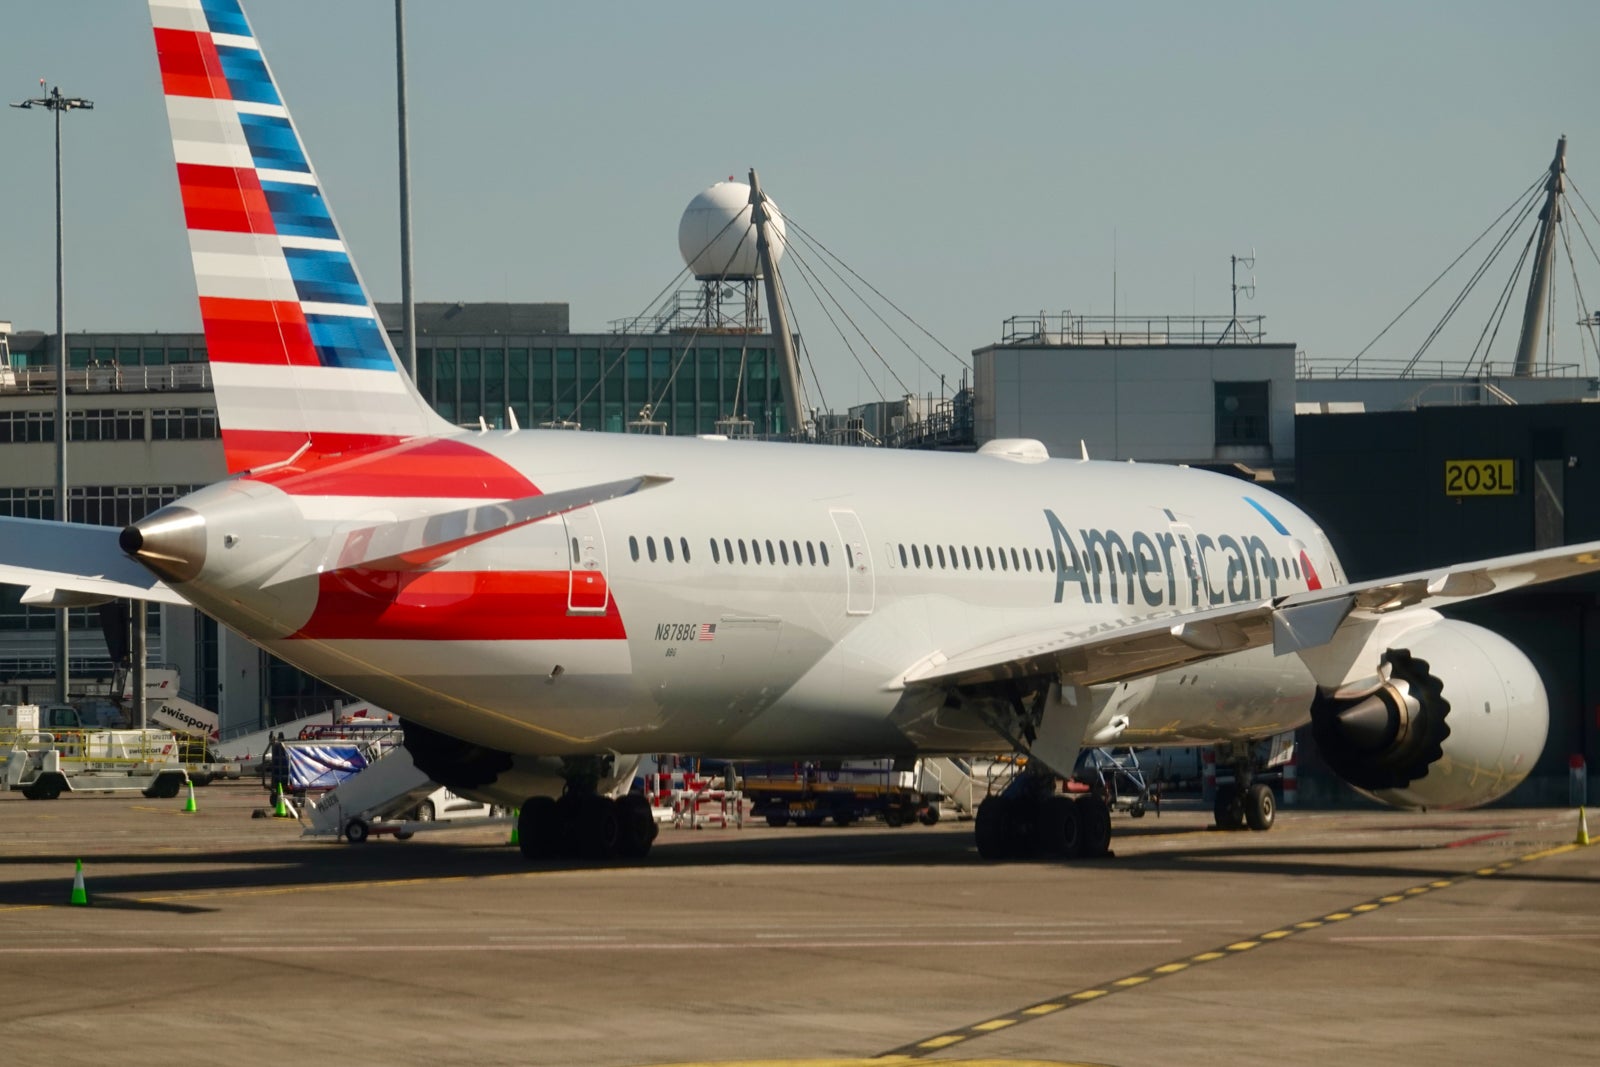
(542, 697)
(1248, 694)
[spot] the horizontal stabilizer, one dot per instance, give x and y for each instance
(416, 544)
(73, 563)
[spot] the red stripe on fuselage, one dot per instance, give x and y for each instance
(190, 65)
(266, 332)
(224, 198)
(426, 467)
(452, 606)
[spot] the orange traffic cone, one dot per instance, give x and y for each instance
(80, 895)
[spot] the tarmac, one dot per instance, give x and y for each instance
(1337, 938)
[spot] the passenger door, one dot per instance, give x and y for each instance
(860, 588)
(587, 591)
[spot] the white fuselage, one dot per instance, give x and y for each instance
(587, 632)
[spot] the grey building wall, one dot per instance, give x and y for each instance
(1156, 403)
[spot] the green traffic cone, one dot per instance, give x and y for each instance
(80, 895)
(516, 814)
(189, 805)
(282, 809)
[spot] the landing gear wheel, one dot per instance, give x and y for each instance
(1260, 806)
(539, 829)
(991, 829)
(1229, 808)
(598, 827)
(355, 832)
(1095, 815)
(778, 819)
(1060, 827)
(637, 827)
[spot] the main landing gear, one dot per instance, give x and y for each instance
(1244, 802)
(584, 823)
(1031, 819)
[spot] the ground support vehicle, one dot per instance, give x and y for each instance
(43, 764)
(808, 794)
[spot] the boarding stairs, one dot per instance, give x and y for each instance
(951, 778)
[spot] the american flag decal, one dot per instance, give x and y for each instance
(708, 631)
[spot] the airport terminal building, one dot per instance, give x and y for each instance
(1372, 460)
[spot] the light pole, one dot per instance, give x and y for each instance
(58, 104)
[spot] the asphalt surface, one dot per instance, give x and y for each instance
(1337, 938)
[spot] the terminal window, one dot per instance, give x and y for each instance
(1242, 413)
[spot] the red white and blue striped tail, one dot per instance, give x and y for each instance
(299, 358)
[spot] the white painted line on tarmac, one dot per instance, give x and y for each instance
(1554, 935)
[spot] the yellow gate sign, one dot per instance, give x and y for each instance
(1480, 477)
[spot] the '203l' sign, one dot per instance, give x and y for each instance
(1480, 477)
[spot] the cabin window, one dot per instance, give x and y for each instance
(715, 556)
(797, 553)
(824, 548)
(727, 549)
(1014, 561)
(1038, 557)
(916, 556)
(575, 550)
(1003, 560)
(650, 548)
(990, 551)
(903, 562)
(941, 557)
(633, 547)
(772, 557)
(683, 543)
(783, 550)
(1027, 564)
(755, 549)
(811, 554)
(666, 547)
(966, 560)
(744, 557)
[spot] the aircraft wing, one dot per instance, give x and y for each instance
(1114, 651)
(73, 558)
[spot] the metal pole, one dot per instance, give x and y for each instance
(63, 669)
(57, 103)
(1539, 280)
(408, 355)
(793, 391)
(140, 657)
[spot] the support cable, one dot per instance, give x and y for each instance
(1514, 204)
(794, 250)
(806, 276)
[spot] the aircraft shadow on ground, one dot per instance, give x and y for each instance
(166, 878)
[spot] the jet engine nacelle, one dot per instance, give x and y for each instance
(1457, 721)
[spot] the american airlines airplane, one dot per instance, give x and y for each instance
(537, 605)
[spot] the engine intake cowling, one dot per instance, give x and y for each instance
(1457, 722)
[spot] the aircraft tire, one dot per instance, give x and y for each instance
(1095, 814)
(599, 829)
(638, 829)
(1260, 807)
(990, 828)
(1229, 808)
(539, 833)
(1060, 827)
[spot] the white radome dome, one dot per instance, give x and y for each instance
(714, 249)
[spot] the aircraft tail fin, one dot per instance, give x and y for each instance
(299, 358)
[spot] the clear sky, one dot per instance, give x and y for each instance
(972, 160)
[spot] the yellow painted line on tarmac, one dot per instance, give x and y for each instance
(995, 1024)
(920, 1049)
